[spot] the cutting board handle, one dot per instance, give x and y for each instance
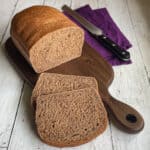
(129, 119)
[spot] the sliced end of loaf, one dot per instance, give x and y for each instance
(46, 37)
(70, 118)
(56, 48)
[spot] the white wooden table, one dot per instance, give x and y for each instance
(131, 84)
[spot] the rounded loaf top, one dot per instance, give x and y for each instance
(32, 23)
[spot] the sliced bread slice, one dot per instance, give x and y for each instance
(49, 83)
(70, 118)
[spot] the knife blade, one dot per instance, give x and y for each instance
(98, 34)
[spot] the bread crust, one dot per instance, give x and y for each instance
(32, 23)
(78, 143)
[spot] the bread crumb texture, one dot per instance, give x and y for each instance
(70, 118)
(49, 83)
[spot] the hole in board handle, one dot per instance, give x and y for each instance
(131, 118)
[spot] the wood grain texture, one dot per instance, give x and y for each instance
(9, 98)
(92, 3)
(8, 5)
(140, 19)
(3, 148)
(135, 71)
(11, 83)
(57, 4)
(131, 82)
(130, 85)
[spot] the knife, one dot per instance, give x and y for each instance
(98, 34)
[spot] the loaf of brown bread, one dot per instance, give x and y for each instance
(49, 83)
(46, 37)
(70, 118)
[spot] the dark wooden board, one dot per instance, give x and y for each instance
(89, 64)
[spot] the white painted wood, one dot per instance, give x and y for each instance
(140, 17)
(131, 82)
(57, 4)
(76, 4)
(3, 148)
(6, 10)
(127, 82)
(11, 83)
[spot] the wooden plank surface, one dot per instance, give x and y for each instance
(8, 79)
(3, 148)
(131, 83)
(6, 11)
(11, 83)
(140, 19)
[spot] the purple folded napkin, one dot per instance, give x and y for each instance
(102, 19)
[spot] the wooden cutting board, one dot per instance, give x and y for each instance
(89, 64)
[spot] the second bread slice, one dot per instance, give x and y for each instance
(49, 83)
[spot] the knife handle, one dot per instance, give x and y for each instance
(125, 116)
(113, 47)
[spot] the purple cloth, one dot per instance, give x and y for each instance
(102, 19)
